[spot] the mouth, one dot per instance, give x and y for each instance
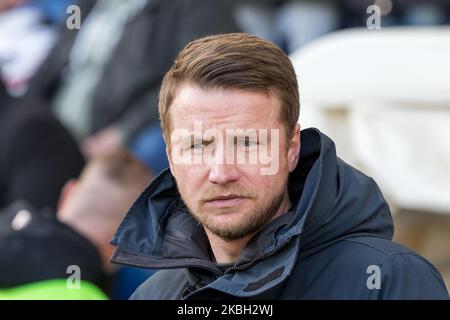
(225, 201)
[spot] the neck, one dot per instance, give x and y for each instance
(228, 251)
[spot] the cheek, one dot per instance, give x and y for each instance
(263, 184)
(190, 179)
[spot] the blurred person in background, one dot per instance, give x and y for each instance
(37, 154)
(293, 23)
(102, 81)
(396, 12)
(39, 246)
(288, 23)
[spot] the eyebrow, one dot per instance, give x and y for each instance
(192, 138)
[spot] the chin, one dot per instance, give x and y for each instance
(229, 221)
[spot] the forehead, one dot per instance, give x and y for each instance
(224, 108)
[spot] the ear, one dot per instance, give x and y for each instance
(294, 148)
(67, 192)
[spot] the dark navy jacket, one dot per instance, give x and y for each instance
(334, 244)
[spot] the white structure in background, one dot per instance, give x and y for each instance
(384, 97)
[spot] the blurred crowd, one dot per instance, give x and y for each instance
(79, 129)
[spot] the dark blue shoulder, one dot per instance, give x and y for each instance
(163, 285)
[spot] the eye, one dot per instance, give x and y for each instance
(197, 146)
(246, 143)
(200, 145)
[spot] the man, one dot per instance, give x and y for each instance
(298, 224)
(41, 249)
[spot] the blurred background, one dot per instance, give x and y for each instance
(80, 137)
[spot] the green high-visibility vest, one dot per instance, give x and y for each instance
(56, 289)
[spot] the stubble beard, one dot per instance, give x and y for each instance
(254, 220)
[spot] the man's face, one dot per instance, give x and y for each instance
(231, 198)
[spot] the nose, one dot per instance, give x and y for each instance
(223, 173)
